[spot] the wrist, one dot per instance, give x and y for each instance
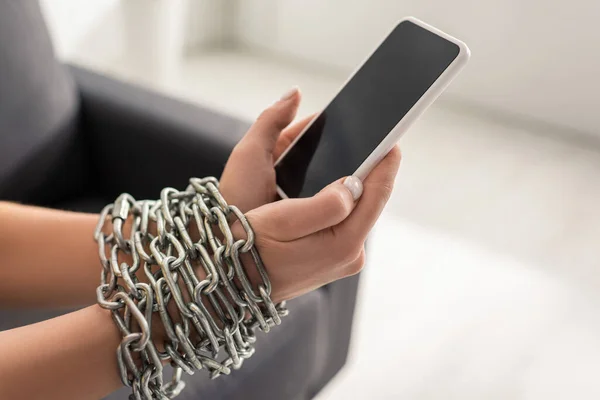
(250, 266)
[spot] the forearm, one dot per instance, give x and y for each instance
(69, 357)
(47, 257)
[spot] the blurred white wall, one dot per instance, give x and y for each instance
(70, 23)
(534, 58)
(147, 35)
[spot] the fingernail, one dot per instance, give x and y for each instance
(289, 93)
(355, 186)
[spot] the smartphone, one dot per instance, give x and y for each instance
(379, 102)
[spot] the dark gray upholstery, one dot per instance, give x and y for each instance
(73, 139)
(38, 111)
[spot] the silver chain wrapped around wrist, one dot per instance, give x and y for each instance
(218, 337)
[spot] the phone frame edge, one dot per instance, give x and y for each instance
(434, 91)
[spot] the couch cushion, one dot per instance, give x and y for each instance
(280, 369)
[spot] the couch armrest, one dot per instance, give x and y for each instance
(140, 141)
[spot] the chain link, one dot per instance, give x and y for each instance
(190, 274)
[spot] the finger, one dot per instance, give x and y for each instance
(267, 128)
(291, 219)
(377, 189)
(289, 134)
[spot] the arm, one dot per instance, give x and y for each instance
(69, 357)
(48, 257)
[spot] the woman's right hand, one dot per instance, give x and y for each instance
(309, 242)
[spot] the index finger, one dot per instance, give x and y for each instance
(272, 121)
(289, 134)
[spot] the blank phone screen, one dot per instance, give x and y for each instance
(364, 112)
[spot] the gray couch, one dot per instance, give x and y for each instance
(70, 139)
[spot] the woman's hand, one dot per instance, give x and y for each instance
(309, 242)
(304, 243)
(248, 180)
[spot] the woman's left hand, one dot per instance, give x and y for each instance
(248, 180)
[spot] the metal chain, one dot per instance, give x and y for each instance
(218, 309)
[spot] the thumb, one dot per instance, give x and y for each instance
(292, 219)
(267, 128)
